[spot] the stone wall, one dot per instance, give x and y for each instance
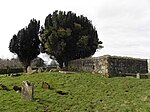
(126, 65)
(110, 65)
(10, 70)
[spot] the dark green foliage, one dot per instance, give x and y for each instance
(66, 37)
(26, 43)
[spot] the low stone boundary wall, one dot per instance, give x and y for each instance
(12, 70)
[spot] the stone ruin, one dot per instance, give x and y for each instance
(110, 65)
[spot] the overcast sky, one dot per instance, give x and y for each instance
(123, 25)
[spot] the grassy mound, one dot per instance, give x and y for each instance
(80, 92)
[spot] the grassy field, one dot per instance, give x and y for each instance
(84, 92)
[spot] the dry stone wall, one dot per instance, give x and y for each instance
(110, 65)
(126, 65)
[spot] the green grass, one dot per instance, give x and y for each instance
(85, 93)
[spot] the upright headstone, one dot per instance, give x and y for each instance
(138, 75)
(27, 90)
(29, 70)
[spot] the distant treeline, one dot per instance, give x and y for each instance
(15, 63)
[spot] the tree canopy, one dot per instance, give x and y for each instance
(26, 43)
(66, 36)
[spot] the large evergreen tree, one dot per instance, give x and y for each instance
(26, 43)
(66, 37)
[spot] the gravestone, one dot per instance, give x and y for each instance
(45, 85)
(29, 70)
(138, 75)
(27, 90)
(40, 69)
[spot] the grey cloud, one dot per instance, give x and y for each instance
(125, 27)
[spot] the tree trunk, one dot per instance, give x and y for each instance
(60, 65)
(25, 68)
(26, 64)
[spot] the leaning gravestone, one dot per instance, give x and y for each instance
(27, 90)
(40, 69)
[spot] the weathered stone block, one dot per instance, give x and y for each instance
(45, 85)
(27, 90)
(29, 70)
(40, 69)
